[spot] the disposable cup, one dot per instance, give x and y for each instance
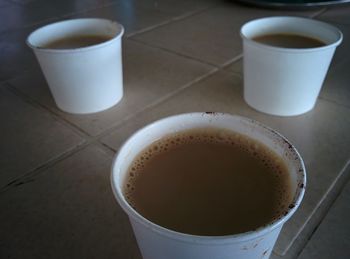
(157, 242)
(82, 80)
(286, 81)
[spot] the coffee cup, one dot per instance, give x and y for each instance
(85, 73)
(157, 241)
(286, 80)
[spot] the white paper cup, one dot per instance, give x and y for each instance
(157, 242)
(81, 80)
(286, 81)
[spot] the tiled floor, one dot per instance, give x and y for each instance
(178, 56)
(323, 243)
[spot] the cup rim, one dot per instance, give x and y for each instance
(292, 50)
(116, 37)
(218, 240)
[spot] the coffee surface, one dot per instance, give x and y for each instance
(77, 42)
(289, 41)
(208, 182)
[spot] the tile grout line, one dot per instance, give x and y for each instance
(96, 139)
(153, 104)
(231, 61)
(80, 132)
(55, 18)
(107, 131)
(150, 28)
(87, 139)
(191, 14)
(318, 205)
(166, 97)
(6, 80)
(334, 102)
(92, 139)
(321, 11)
(173, 52)
(30, 175)
(220, 66)
(171, 20)
(89, 9)
(330, 203)
(106, 147)
(161, 100)
(84, 134)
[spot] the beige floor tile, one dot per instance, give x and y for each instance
(236, 67)
(299, 244)
(338, 14)
(12, 16)
(332, 237)
(67, 211)
(132, 18)
(141, 15)
(17, 14)
(211, 36)
(313, 134)
(149, 74)
(217, 93)
(173, 7)
(336, 87)
(29, 137)
(15, 55)
(341, 54)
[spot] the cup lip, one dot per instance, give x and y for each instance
(217, 240)
(116, 37)
(292, 50)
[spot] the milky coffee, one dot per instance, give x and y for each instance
(78, 41)
(208, 182)
(285, 40)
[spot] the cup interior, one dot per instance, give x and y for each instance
(325, 32)
(65, 29)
